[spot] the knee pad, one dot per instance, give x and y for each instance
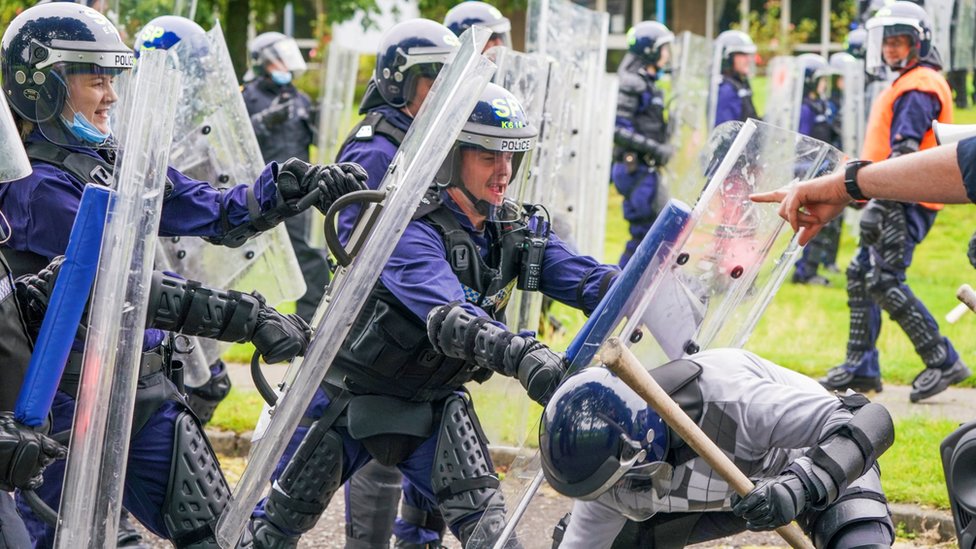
(203, 400)
(857, 505)
(958, 452)
(304, 489)
(463, 477)
(197, 491)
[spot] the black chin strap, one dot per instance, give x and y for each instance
(483, 207)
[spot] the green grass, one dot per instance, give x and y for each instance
(238, 412)
(911, 470)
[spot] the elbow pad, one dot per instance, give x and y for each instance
(190, 308)
(845, 454)
(458, 334)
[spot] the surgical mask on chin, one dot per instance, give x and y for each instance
(281, 77)
(81, 128)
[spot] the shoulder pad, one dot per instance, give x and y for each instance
(631, 83)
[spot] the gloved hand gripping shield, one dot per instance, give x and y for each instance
(14, 163)
(426, 145)
(687, 117)
(703, 277)
(92, 496)
(576, 39)
(215, 142)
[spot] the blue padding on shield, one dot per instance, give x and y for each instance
(64, 310)
(666, 229)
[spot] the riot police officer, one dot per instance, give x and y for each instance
(285, 124)
(899, 37)
(733, 59)
(58, 62)
(640, 136)
(466, 246)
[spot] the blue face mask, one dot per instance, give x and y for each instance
(281, 77)
(81, 128)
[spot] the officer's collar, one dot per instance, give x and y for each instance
(458, 213)
(73, 144)
(395, 116)
(267, 84)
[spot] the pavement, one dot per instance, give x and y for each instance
(927, 527)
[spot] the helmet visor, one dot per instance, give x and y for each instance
(880, 28)
(13, 161)
(638, 494)
(287, 53)
(84, 103)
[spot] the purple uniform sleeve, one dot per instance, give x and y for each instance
(912, 116)
(966, 151)
(375, 157)
(193, 208)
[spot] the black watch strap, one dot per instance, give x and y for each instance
(850, 178)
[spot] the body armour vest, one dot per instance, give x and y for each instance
(641, 103)
(15, 343)
(744, 91)
(877, 135)
(387, 350)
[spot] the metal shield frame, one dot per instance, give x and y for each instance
(426, 145)
(92, 497)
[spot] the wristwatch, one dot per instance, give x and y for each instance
(850, 178)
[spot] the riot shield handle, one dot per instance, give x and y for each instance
(363, 226)
(260, 382)
(38, 505)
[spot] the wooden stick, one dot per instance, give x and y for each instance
(622, 362)
(966, 294)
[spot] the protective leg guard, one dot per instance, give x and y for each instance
(463, 477)
(304, 489)
(959, 463)
(905, 309)
(860, 339)
(203, 400)
(859, 505)
(372, 494)
(197, 492)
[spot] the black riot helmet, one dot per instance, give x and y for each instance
(408, 50)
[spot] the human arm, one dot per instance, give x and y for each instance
(577, 280)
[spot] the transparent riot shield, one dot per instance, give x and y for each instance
(337, 115)
(940, 17)
(92, 497)
(575, 38)
(215, 142)
(687, 117)
(711, 274)
(443, 114)
(14, 163)
(599, 158)
(130, 15)
(785, 95)
(963, 35)
(853, 115)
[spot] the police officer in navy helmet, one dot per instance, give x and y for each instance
(733, 57)
(640, 135)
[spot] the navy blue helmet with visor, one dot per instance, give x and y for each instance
(597, 432)
(646, 39)
(408, 51)
(467, 14)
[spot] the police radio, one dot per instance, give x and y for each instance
(533, 251)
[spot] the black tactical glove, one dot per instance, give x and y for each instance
(277, 112)
(971, 254)
(872, 221)
(774, 502)
(540, 371)
(279, 337)
(296, 179)
(34, 291)
(24, 453)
